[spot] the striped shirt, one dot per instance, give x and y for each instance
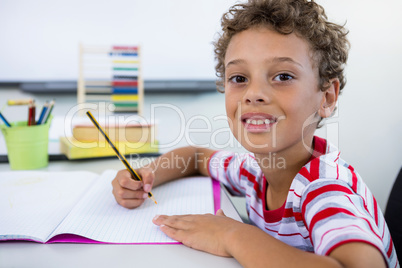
(327, 205)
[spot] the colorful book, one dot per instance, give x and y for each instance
(74, 149)
(78, 206)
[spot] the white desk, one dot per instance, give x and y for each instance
(31, 254)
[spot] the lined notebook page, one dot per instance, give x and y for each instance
(33, 203)
(98, 216)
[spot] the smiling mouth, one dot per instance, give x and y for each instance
(258, 119)
(258, 122)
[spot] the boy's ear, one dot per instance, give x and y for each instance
(329, 98)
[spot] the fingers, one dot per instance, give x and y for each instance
(124, 179)
(130, 203)
(204, 232)
(220, 212)
(176, 222)
(130, 193)
(148, 178)
(183, 222)
(173, 226)
(173, 233)
(125, 193)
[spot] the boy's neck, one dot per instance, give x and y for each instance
(283, 167)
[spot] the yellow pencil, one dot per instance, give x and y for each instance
(19, 102)
(119, 155)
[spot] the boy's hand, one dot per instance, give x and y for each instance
(202, 232)
(130, 193)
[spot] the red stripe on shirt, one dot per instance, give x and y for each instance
(337, 158)
(339, 228)
(226, 164)
(315, 169)
(327, 188)
(354, 179)
(251, 178)
(391, 246)
(256, 212)
(304, 172)
(337, 172)
(298, 216)
(320, 148)
(288, 213)
(320, 145)
(337, 166)
(375, 211)
(276, 215)
(328, 212)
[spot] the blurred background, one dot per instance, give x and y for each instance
(39, 57)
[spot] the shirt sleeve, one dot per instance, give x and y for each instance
(225, 167)
(335, 214)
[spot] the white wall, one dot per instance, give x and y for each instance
(370, 117)
(40, 39)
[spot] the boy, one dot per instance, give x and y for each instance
(281, 67)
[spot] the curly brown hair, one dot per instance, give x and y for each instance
(305, 18)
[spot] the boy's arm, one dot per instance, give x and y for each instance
(246, 247)
(252, 247)
(175, 164)
(181, 162)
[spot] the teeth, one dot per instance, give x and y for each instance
(258, 122)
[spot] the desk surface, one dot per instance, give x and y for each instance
(31, 254)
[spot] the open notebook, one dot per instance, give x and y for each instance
(78, 206)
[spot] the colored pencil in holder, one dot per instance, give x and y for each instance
(42, 113)
(4, 120)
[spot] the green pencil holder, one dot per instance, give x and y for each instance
(27, 146)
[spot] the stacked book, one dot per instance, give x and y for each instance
(130, 139)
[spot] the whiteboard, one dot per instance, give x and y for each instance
(40, 39)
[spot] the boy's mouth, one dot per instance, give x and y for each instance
(258, 122)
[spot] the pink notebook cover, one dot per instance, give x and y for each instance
(72, 238)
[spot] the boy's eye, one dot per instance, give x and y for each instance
(283, 77)
(238, 79)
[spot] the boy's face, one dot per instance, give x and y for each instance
(271, 90)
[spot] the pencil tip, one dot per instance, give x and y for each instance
(153, 199)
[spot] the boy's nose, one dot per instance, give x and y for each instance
(256, 94)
